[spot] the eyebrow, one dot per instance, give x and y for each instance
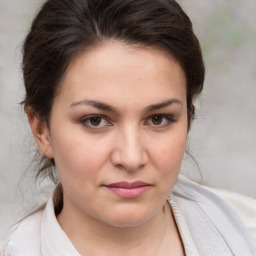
(163, 105)
(107, 107)
(95, 104)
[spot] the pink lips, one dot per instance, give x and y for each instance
(128, 190)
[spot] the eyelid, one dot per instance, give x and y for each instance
(170, 119)
(84, 119)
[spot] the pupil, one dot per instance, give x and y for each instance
(95, 121)
(157, 120)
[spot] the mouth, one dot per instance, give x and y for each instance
(128, 190)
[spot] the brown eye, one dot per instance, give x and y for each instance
(95, 121)
(160, 120)
(157, 120)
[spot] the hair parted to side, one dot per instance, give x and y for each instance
(63, 29)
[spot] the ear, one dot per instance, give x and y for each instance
(40, 132)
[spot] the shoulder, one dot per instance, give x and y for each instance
(215, 227)
(244, 206)
(24, 238)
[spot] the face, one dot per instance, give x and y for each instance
(118, 131)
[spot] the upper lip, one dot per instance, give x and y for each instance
(124, 184)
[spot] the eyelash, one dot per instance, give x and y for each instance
(169, 119)
(86, 121)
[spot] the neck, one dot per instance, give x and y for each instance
(91, 236)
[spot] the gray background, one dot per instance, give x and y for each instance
(222, 139)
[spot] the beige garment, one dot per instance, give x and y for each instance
(187, 241)
(244, 206)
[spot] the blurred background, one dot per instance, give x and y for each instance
(223, 136)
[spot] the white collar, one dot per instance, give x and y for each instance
(54, 240)
(187, 241)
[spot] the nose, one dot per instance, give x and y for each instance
(129, 151)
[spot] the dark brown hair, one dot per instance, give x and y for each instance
(64, 28)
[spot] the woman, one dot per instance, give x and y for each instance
(110, 87)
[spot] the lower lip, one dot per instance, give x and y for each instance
(128, 192)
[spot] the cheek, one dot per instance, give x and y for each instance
(167, 155)
(79, 155)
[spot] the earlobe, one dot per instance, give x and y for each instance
(40, 132)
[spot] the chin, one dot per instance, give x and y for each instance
(128, 219)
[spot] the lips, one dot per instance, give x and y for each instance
(128, 190)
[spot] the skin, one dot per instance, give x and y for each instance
(140, 95)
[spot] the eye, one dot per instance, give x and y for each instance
(157, 120)
(160, 120)
(94, 121)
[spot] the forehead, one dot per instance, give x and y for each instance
(115, 70)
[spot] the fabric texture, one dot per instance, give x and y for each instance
(244, 206)
(207, 224)
(215, 227)
(187, 240)
(25, 237)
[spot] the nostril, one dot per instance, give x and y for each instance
(129, 152)
(132, 162)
